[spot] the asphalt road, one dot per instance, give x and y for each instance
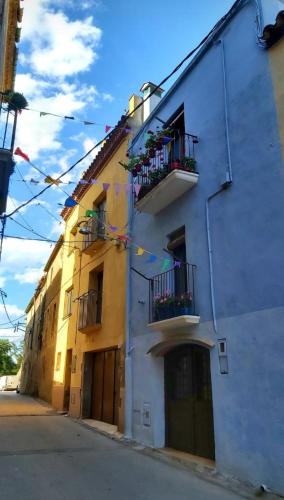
(50, 457)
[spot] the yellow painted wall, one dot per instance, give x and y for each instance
(46, 355)
(76, 268)
(277, 67)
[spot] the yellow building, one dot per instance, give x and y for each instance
(41, 330)
(10, 15)
(89, 358)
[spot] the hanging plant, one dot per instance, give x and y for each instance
(132, 164)
(16, 101)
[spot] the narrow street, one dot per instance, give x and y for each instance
(46, 456)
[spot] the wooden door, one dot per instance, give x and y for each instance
(67, 381)
(189, 415)
(105, 386)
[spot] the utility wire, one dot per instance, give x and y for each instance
(16, 319)
(3, 294)
(124, 120)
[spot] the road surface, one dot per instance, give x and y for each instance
(46, 456)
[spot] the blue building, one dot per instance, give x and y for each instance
(205, 344)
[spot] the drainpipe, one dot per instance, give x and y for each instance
(228, 181)
(128, 348)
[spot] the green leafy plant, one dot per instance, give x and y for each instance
(16, 101)
(189, 164)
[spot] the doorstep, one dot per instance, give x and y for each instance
(188, 459)
(103, 427)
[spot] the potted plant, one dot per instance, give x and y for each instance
(163, 307)
(175, 165)
(183, 304)
(189, 164)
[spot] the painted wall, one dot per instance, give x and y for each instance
(76, 269)
(248, 247)
(276, 54)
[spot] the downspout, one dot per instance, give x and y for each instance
(228, 181)
(128, 347)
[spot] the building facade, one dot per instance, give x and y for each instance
(205, 307)
(41, 331)
(10, 15)
(89, 373)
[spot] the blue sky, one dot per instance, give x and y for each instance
(82, 59)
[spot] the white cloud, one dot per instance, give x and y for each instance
(13, 311)
(23, 254)
(107, 97)
(30, 275)
(2, 281)
(59, 47)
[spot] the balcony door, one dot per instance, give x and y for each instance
(189, 414)
(177, 247)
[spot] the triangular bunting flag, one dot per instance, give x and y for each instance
(94, 181)
(140, 251)
(88, 123)
(117, 188)
(42, 113)
(166, 265)
(137, 188)
(19, 152)
(70, 202)
(106, 186)
(151, 259)
(82, 181)
(177, 263)
(107, 128)
(50, 180)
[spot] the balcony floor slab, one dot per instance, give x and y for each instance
(176, 323)
(167, 191)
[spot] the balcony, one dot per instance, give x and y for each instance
(172, 299)
(90, 311)
(167, 173)
(8, 122)
(94, 233)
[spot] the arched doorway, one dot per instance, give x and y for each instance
(188, 398)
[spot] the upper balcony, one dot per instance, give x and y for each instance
(90, 311)
(172, 299)
(166, 171)
(94, 232)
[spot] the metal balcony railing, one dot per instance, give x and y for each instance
(171, 293)
(174, 155)
(8, 123)
(96, 229)
(90, 309)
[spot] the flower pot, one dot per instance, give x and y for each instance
(183, 310)
(175, 165)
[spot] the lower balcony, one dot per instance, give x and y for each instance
(90, 311)
(172, 299)
(94, 233)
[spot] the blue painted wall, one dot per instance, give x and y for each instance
(248, 257)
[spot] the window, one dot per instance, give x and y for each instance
(96, 283)
(72, 239)
(58, 361)
(53, 319)
(68, 302)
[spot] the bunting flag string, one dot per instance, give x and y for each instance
(107, 127)
(71, 202)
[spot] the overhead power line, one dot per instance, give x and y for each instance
(181, 63)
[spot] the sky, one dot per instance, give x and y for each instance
(81, 59)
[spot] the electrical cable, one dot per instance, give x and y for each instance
(5, 308)
(124, 120)
(16, 319)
